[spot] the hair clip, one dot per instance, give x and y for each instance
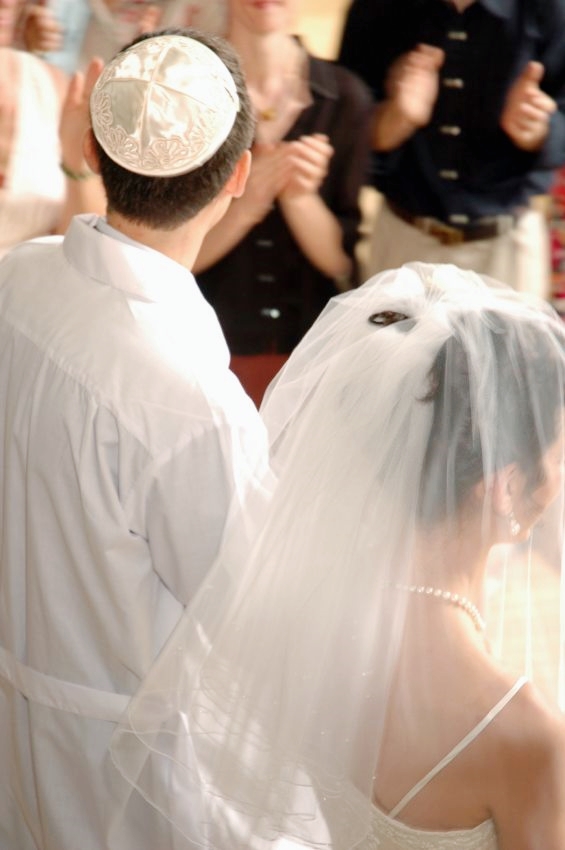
(387, 317)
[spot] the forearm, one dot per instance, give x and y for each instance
(390, 128)
(318, 233)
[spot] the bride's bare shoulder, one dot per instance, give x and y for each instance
(530, 721)
(527, 773)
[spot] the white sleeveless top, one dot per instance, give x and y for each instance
(34, 188)
(388, 833)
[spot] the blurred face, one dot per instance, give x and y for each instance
(262, 16)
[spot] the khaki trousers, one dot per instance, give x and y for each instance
(520, 257)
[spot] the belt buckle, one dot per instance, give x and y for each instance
(445, 234)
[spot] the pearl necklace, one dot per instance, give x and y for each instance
(453, 598)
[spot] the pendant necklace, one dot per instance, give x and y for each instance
(267, 114)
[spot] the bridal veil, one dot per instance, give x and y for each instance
(426, 398)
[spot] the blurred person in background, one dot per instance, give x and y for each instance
(114, 22)
(288, 244)
(468, 131)
(72, 32)
(32, 186)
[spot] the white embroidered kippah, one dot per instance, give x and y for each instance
(163, 106)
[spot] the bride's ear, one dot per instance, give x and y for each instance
(499, 489)
(503, 490)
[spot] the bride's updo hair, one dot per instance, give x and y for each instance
(497, 388)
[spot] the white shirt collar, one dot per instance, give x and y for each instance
(124, 264)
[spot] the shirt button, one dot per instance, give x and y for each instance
(457, 35)
(264, 243)
(450, 130)
(458, 218)
(448, 174)
(453, 82)
(266, 278)
(270, 312)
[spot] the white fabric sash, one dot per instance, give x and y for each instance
(56, 693)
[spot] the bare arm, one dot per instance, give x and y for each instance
(84, 190)
(529, 794)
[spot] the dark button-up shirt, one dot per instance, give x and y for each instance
(463, 165)
(265, 291)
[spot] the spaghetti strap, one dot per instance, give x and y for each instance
(458, 748)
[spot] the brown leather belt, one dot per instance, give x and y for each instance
(448, 234)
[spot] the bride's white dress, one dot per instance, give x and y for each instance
(390, 834)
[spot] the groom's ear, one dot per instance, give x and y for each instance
(499, 488)
(238, 179)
